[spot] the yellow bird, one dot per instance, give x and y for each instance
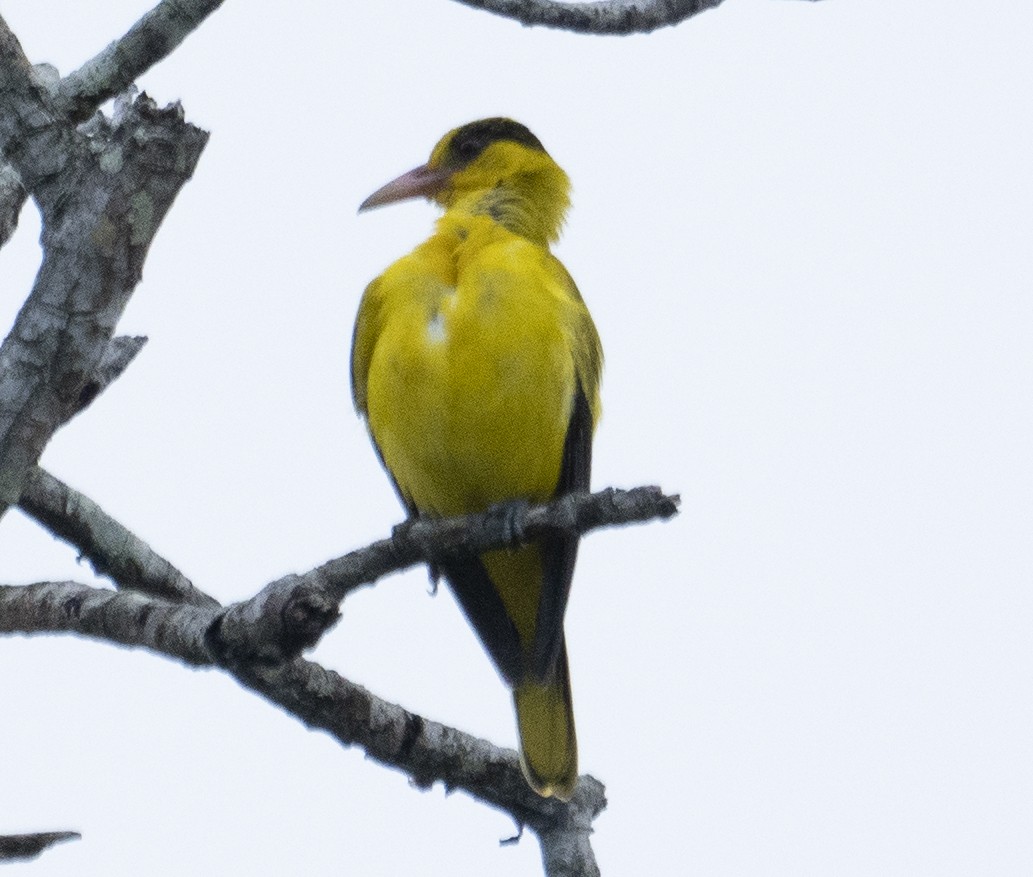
(477, 366)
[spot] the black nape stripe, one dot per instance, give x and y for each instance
(471, 140)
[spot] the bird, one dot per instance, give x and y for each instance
(476, 366)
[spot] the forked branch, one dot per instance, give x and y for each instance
(258, 641)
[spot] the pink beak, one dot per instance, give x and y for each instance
(422, 181)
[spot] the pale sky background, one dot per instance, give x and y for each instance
(804, 231)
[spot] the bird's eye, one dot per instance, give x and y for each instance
(467, 149)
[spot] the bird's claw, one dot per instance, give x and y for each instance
(509, 516)
(433, 578)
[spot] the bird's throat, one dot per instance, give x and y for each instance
(530, 205)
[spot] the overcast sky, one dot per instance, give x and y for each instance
(804, 231)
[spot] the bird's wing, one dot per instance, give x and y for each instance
(368, 324)
(559, 553)
(484, 609)
(479, 597)
(585, 346)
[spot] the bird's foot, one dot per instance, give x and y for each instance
(509, 516)
(401, 532)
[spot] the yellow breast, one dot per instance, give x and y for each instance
(472, 375)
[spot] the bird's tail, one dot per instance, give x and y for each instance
(545, 719)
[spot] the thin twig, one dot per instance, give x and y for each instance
(111, 549)
(105, 76)
(119, 65)
(19, 847)
(291, 614)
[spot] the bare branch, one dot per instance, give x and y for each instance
(105, 76)
(427, 751)
(128, 618)
(291, 614)
(27, 846)
(604, 18)
(568, 851)
(197, 635)
(118, 66)
(611, 17)
(111, 549)
(258, 641)
(102, 194)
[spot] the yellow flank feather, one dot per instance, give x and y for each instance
(473, 358)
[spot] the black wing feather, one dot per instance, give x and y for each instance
(559, 553)
(486, 612)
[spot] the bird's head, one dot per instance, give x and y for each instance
(495, 167)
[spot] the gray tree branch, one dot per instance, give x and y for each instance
(109, 547)
(18, 847)
(258, 641)
(119, 65)
(103, 77)
(607, 17)
(102, 194)
(291, 614)
(427, 751)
